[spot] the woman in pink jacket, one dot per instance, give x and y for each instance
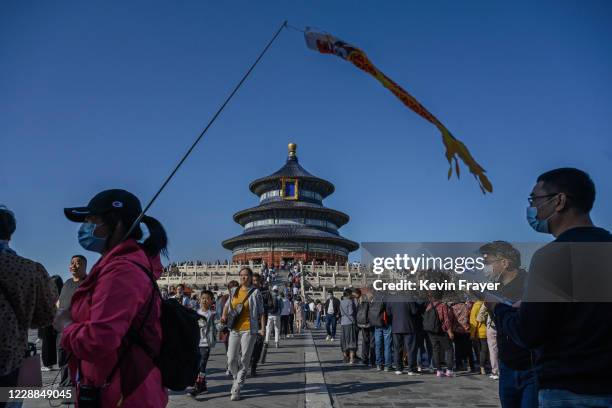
(113, 303)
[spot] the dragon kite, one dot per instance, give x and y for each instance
(455, 149)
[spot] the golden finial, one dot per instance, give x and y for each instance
(292, 148)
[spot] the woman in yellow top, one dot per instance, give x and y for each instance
(242, 335)
(478, 334)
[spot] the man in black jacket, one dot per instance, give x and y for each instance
(402, 314)
(368, 355)
(382, 332)
(573, 338)
(259, 342)
(331, 308)
(517, 379)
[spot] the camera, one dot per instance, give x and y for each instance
(89, 396)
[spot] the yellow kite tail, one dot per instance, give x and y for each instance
(455, 149)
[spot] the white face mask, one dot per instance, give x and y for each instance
(490, 273)
(488, 270)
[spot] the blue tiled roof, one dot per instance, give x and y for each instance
(289, 232)
(293, 169)
(338, 217)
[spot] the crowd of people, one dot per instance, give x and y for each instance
(267, 314)
(394, 335)
(108, 335)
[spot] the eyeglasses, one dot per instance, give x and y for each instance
(532, 198)
(491, 258)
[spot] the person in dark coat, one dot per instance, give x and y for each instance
(402, 314)
(423, 343)
(48, 336)
(78, 271)
(382, 332)
(331, 309)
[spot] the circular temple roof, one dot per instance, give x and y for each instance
(291, 169)
(277, 207)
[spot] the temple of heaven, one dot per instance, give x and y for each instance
(290, 223)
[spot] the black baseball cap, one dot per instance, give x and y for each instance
(109, 200)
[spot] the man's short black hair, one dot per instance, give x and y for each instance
(8, 225)
(504, 250)
(577, 184)
(81, 257)
(209, 293)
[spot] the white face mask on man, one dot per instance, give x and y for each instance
(490, 273)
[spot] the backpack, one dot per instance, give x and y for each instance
(270, 303)
(179, 356)
(431, 321)
(363, 311)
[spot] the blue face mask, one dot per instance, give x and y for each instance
(88, 240)
(532, 219)
(538, 225)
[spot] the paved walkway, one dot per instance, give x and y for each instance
(307, 372)
(279, 383)
(360, 386)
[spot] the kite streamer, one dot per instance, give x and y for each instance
(455, 149)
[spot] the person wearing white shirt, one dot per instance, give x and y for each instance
(311, 310)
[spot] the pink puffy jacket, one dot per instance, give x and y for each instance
(113, 298)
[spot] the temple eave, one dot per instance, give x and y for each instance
(242, 217)
(238, 240)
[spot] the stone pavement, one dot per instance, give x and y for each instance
(307, 372)
(279, 382)
(360, 386)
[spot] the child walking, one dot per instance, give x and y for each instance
(208, 339)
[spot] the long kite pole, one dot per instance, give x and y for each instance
(193, 145)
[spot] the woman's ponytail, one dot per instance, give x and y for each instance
(157, 242)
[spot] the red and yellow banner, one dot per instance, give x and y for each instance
(455, 149)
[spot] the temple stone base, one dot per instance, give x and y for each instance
(276, 257)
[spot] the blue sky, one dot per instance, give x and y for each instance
(97, 95)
